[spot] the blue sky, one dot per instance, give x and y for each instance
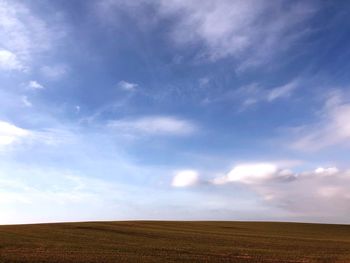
(194, 110)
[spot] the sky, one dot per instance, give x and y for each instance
(174, 110)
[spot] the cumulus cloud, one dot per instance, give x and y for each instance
(333, 128)
(10, 133)
(256, 173)
(127, 86)
(316, 194)
(249, 173)
(154, 125)
(185, 178)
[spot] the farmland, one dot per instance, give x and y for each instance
(175, 241)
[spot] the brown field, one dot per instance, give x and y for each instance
(159, 241)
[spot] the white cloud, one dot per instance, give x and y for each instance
(265, 173)
(33, 84)
(10, 133)
(52, 137)
(23, 34)
(185, 178)
(326, 171)
(54, 72)
(311, 193)
(249, 173)
(252, 31)
(9, 61)
(254, 93)
(23, 30)
(332, 129)
(127, 86)
(154, 125)
(321, 194)
(282, 91)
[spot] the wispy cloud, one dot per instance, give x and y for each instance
(127, 86)
(154, 125)
(254, 93)
(251, 31)
(23, 35)
(9, 61)
(79, 171)
(26, 101)
(64, 189)
(283, 91)
(33, 84)
(169, 57)
(11, 134)
(333, 128)
(55, 72)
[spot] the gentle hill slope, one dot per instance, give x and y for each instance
(159, 241)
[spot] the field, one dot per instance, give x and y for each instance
(153, 241)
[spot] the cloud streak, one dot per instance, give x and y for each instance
(332, 129)
(23, 35)
(251, 31)
(254, 93)
(127, 86)
(54, 72)
(154, 125)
